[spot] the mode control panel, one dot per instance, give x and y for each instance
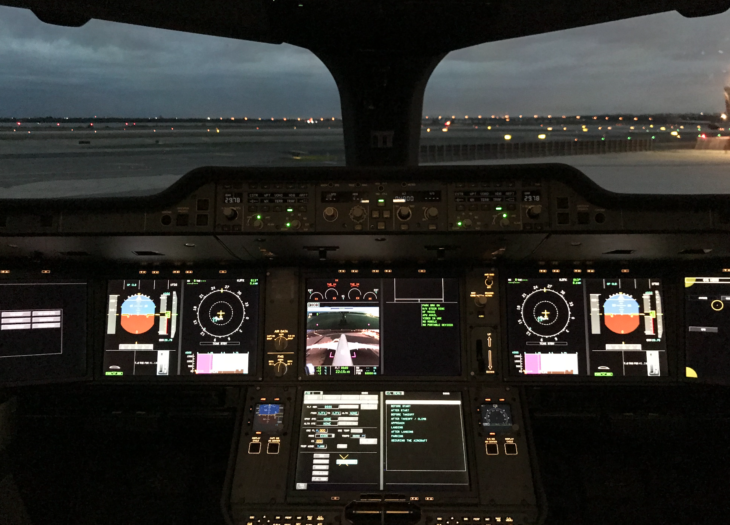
(374, 206)
(498, 205)
(265, 207)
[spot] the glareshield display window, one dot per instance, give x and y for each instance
(181, 327)
(575, 326)
(381, 440)
(393, 326)
(42, 331)
(707, 328)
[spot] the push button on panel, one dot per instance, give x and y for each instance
(254, 447)
(510, 449)
(273, 448)
(492, 449)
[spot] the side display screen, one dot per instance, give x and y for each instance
(707, 328)
(42, 331)
(181, 327)
(372, 441)
(269, 419)
(595, 327)
(368, 327)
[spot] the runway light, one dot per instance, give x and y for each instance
(508, 137)
(550, 129)
(663, 128)
(674, 133)
(428, 130)
(444, 129)
(542, 136)
(723, 116)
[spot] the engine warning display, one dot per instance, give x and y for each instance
(371, 327)
(576, 326)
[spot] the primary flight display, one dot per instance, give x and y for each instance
(181, 327)
(574, 326)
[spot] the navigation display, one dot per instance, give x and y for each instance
(707, 328)
(181, 327)
(576, 326)
(42, 331)
(372, 441)
(374, 326)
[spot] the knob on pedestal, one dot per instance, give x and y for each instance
(230, 213)
(533, 212)
(258, 224)
(404, 213)
(432, 212)
(280, 368)
(357, 213)
(330, 214)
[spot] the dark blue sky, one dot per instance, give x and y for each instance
(662, 63)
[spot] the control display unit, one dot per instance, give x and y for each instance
(707, 328)
(42, 331)
(381, 440)
(382, 326)
(181, 327)
(576, 326)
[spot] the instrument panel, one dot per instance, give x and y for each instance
(515, 324)
(379, 331)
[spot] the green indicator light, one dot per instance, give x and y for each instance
(383, 200)
(629, 138)
(258, 217)
(290, 210)
(652, 137)
(504, 215)
(288, 224)
(498, 208)
(458, 223)
(603, 374)
(603, 138)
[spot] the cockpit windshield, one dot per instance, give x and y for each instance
(111, 109)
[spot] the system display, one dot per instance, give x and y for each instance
(596, 327)
(269, 419)
(176, 327)
(371, 441)
(707, 328)
(371, 327)
(42, 331)
(496, 417)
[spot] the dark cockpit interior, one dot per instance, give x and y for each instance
(391, 339)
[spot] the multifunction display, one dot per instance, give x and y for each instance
(369, 327)
(176, 327)
(371, 441)
(707, 328)
(42, 331)
(577, 326)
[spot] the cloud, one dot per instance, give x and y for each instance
(660, 63)
(104, 68)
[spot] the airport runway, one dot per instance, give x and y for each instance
(57, 165)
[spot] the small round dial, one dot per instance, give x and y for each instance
(220, 313)
(496, 415)
(545, 312)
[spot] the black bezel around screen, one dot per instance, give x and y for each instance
(254, 371)
(613, 272)
(72, 364)
(395, 274)
(323, 497)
